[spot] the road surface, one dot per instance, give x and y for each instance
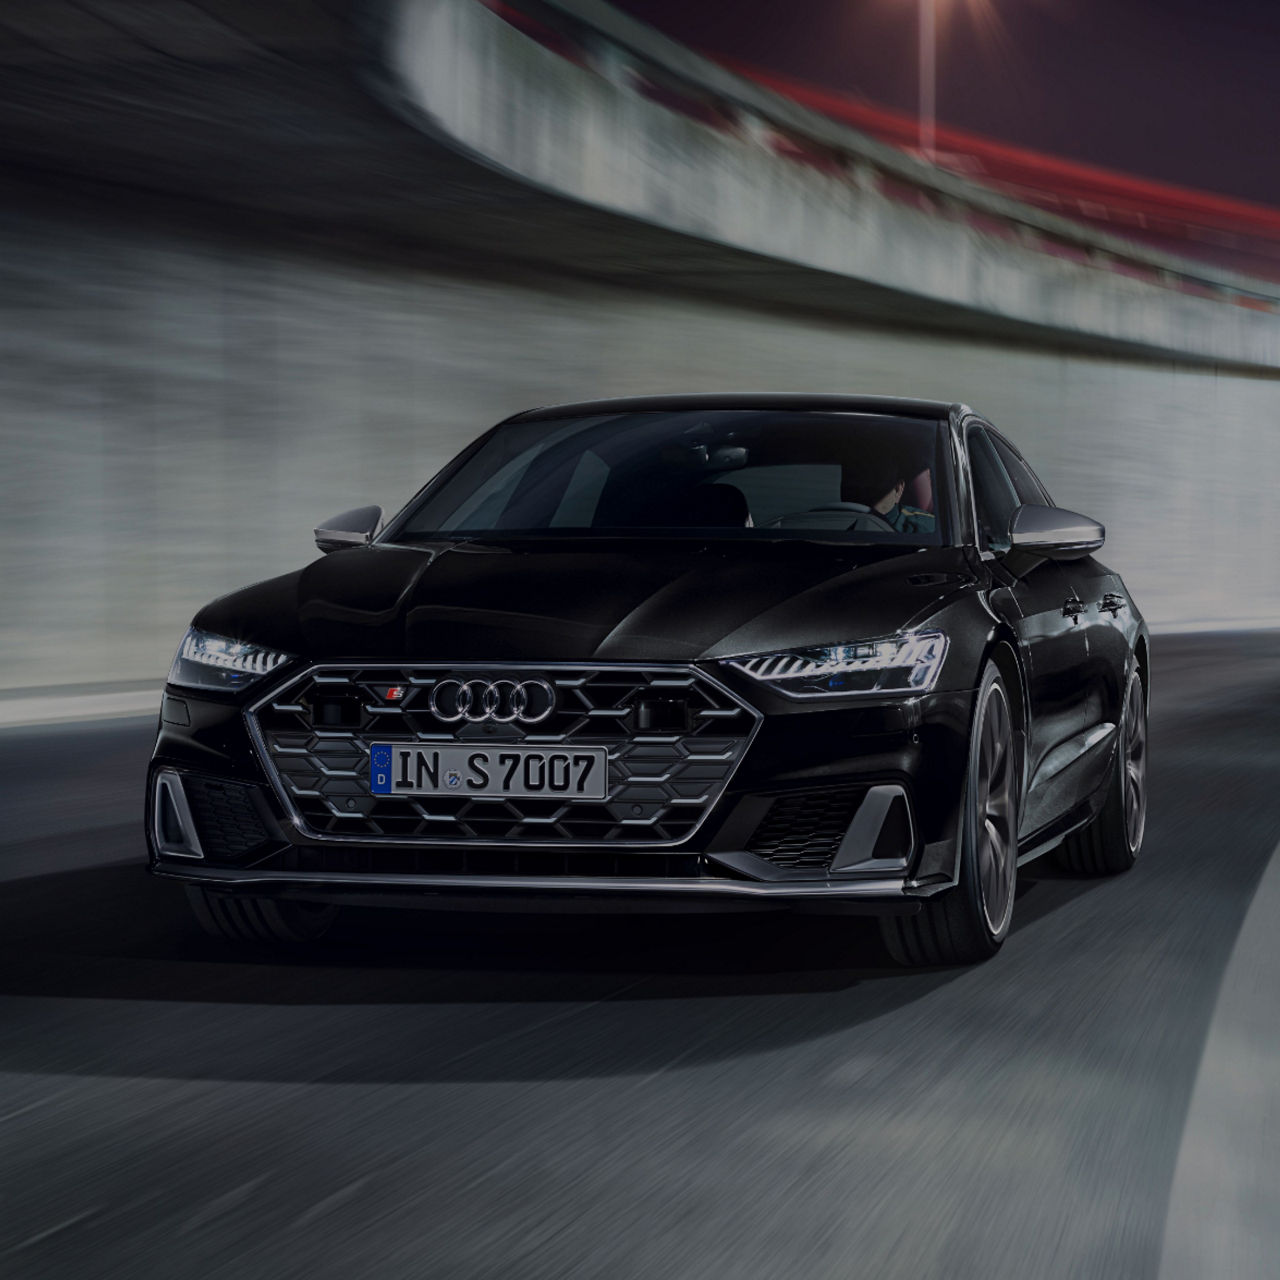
(524, 1097)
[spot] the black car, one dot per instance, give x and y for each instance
(682, 651)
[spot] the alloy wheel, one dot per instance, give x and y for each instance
(997, 855)
(1135, 764)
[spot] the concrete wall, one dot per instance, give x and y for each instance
(462, 72)
(177, 412)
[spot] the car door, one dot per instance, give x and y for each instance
(1077, 764)
(1048, 618)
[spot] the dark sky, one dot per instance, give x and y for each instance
(1187, 91)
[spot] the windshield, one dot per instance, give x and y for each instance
(730, 473)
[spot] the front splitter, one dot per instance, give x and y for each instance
(552, 893)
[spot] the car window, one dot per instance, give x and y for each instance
(1025, 481)
(742, 473)
(773, 492)
(994, 495)
(582, 493)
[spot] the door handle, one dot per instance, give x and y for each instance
(1073, 608)
(1112, 603)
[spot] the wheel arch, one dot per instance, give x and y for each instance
(1002, 650)
(1004, 653)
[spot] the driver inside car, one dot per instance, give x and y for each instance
(879, 485)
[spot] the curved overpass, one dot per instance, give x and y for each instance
(1225, 230)
(578, 100)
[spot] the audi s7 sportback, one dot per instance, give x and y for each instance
(773, 651)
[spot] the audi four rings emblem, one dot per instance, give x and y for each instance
(503, 701)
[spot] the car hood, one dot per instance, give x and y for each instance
(563, 600)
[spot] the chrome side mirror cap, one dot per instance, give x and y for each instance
(1053, 533)
(351, 529)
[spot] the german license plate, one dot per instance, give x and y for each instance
(581, 773)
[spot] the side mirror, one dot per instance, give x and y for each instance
(350, 529)
(1054, 534)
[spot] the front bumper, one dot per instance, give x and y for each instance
(554, 893)
(897, 768)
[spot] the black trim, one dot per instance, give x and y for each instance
(798, 401)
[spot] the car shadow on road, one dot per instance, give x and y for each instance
(117, 979)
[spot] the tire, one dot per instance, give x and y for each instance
(968, 923)
(1111, 843)
(243, 919)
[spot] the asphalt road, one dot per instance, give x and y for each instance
(527, 1097)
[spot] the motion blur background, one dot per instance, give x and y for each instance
(262, 261)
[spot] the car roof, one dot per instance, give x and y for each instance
(894, 406)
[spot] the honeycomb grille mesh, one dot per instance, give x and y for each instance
(804, 830)
(661, 782)
(226, 820)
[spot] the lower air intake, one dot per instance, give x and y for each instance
(836, 829)
(804, 829)
(225, 817)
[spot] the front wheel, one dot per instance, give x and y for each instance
(240, 918)
(1112, 841)
(969, 922)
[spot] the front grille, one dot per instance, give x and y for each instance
(804, 829)
(674, 738)
(226, 818)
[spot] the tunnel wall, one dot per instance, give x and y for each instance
(179, 409)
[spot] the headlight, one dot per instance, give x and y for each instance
(205, 661)
(897, 664)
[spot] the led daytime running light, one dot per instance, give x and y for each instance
(205, 661)
(229, 655)
(802, 672)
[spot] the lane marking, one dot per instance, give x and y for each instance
(220, 1204)
(1211, 626)
(1223, 1218)
(53, 1230)
(90, 706)
(321, 1207)
(34, 1106)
